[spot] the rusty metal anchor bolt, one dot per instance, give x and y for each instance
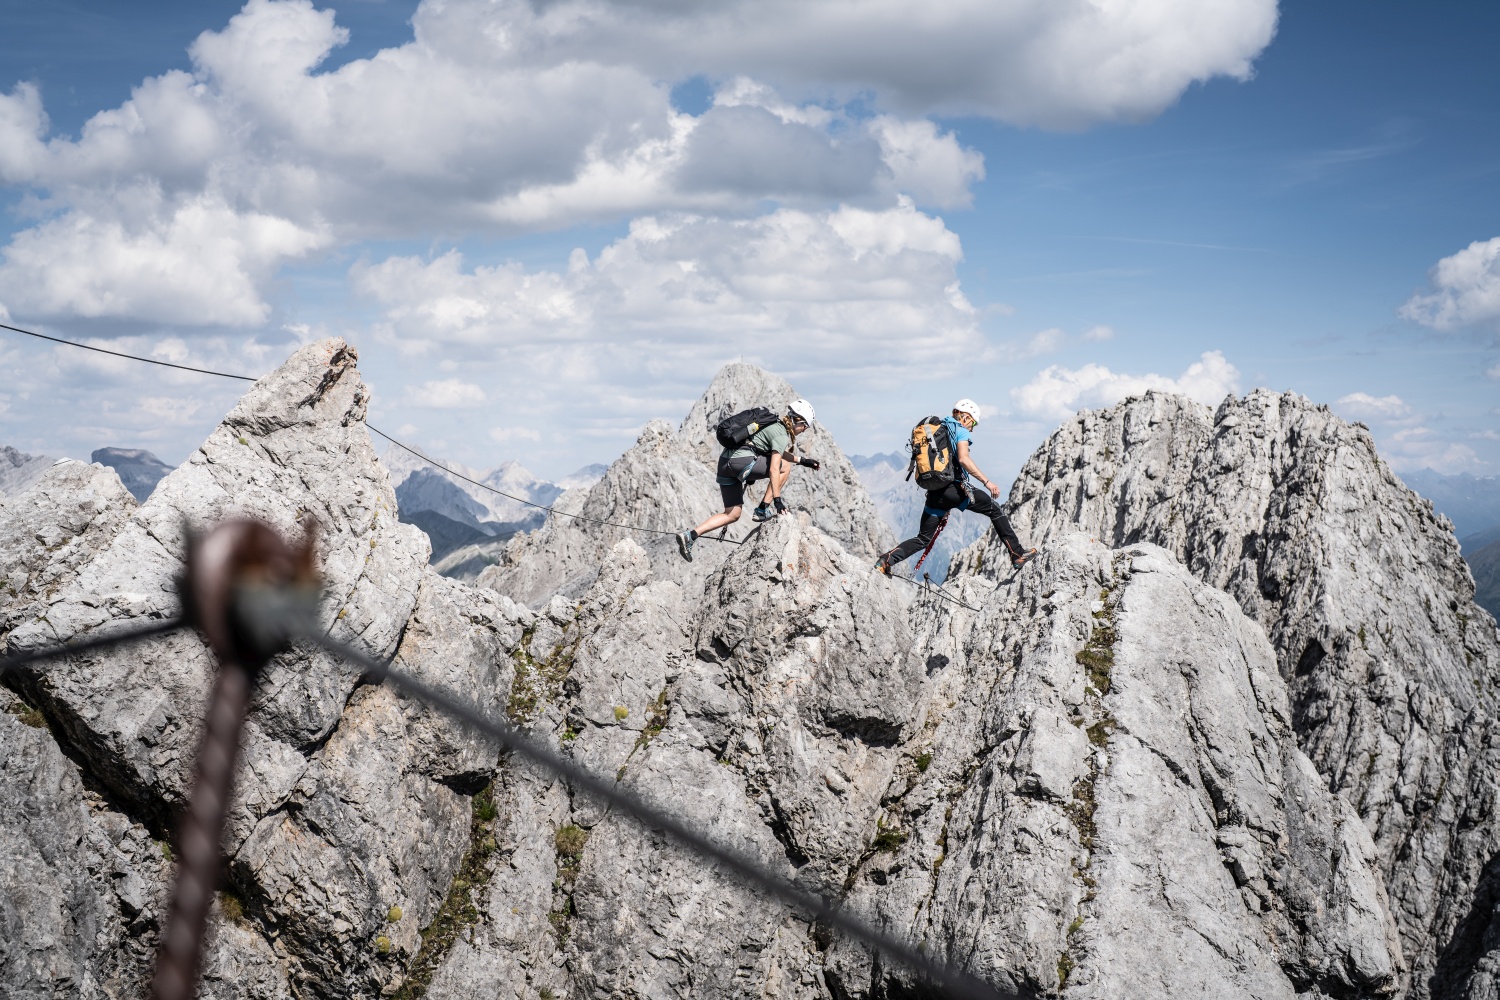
(247, 591)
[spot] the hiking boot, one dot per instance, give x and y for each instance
(762, 514)
(1023, 558)
(685, 544)
(883, 566)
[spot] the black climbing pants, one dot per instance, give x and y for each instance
(955, 497)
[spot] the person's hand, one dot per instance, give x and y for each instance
(811, 463)
(780, 507)
(994, 490)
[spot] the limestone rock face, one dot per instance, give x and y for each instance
(350, 801)
(19, 470)
(1083, 778)
(1091, 780)
(84, 889)
(294, 446)
(1392, 669)
(52, 530)
(665, 484)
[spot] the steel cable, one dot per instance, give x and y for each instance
(270, 614)
(372, 427)
(19, 660)
(956, 983)
(128, 357)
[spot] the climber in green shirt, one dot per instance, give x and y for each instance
(769, 454)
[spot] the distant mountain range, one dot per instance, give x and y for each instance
(137, 468)
(19, 470)
(467, 523)
(1472, 503)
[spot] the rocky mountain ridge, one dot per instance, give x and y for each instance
(1392, 668)
(137, 468)
(1100, 776)
(19, 470)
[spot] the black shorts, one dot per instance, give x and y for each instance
(737, 473)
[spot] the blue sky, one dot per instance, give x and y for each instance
(534, 258)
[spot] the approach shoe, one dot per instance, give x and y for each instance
(685, 544)
(1023, 558)
(883, 565)
(762, 514)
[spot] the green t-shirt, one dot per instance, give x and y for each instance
(771, 438)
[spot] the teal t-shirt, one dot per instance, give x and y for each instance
(771, 438)
(957, 432)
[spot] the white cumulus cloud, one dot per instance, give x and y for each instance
(1421, 447)
(851, 289)
(445, 394)
(1032, 62)
(1466, 289)
(505, 116)
(1363, 406)
(1056, 393)
(188, 260)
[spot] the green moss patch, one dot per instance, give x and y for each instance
(461, 908)
(29, 716)
(537, 681)
(1098, 655)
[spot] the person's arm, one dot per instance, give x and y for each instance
(773, 490)
(968, 463)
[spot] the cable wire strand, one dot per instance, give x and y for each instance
(550, 510)
(955, 982)
(118, 354)
(19, 660)
(372, 427)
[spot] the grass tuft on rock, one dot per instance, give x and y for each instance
(889, 838)
(537, 681)
(1065, 967)
(1098, 655)
(461, 907)
(29, 716)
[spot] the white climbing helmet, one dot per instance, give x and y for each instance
(802, 408)
(967, 406)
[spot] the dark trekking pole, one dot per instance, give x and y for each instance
(236, 562)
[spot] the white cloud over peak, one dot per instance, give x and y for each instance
(1466, 289)
(1363, 406)
(1031, 62)
(502, 116)
(851, 292)
(1056, 393)
(1420, 447)
(186, 260)
(445, 394)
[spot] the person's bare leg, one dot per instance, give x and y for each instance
(774, 484)
(730, 515)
